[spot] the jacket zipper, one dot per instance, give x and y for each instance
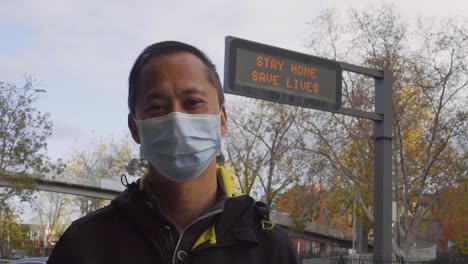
(185, 229)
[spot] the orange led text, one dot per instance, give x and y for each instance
(265, 77)
(270, 63)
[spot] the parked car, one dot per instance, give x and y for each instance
(30, 261)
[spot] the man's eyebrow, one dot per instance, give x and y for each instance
(194, 90)
(154, 95)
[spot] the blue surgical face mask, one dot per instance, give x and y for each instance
(180, 146)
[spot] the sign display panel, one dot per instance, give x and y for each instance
(265, 72)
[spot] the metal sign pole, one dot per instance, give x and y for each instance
(383, 134)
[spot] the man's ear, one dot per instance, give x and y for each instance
(223, 121)
(133, 128)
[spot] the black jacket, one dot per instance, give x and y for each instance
(131, 230)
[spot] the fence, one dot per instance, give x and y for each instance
(355, 259)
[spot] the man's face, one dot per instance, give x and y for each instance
(175, 83)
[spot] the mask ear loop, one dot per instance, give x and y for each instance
(220, 117)
(124, 180)
(220, 159)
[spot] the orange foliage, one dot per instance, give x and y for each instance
(327, 208)
(453, 212)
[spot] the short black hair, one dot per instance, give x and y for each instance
(165, 48)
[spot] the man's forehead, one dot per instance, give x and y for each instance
(179, 58)
(175, 66)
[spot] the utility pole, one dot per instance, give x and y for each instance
(354, 224)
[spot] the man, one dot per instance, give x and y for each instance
(184, 209)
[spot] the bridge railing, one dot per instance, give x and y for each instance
(284, 219)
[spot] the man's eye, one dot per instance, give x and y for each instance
(155, 108)
(194, 102)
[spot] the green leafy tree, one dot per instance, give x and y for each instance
(23, 133)
(460, 247)
(23, 128)
(12, 233)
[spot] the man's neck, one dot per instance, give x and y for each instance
(183, 203)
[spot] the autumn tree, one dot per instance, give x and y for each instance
(429, 60)
(452, 212)
(301, 203)
(262, 147)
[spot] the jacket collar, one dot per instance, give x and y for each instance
(236, 223)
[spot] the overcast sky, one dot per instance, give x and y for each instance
(81, 51)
